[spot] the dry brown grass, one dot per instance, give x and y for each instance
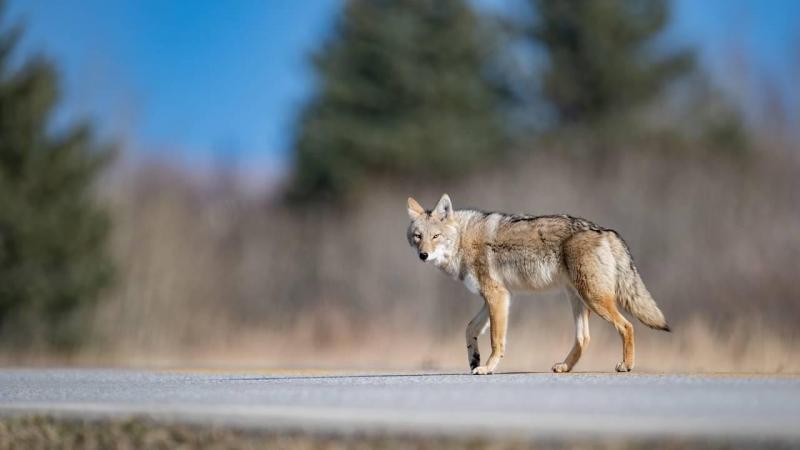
(214, 276)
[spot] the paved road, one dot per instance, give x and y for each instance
(524, 404)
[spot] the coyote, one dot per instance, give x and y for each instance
(495, 254)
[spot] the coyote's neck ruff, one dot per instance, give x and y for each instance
(495, 254)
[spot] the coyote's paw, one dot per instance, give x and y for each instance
(560, 367)
(622, 367)
(474, 361)
(482, 370)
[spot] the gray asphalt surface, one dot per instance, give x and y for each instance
(531, 404)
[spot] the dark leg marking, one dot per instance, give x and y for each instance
(475, 356)
(475, 361)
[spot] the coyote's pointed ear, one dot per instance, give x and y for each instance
(444, 209)
(414, 209)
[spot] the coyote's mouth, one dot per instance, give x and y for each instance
(435, 257)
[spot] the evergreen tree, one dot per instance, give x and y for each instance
(602, 58)
(403, 89)
(53, 259)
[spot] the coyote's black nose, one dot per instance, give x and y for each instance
(423, 256)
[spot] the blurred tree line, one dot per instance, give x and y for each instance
(602, 59)
(418, 87)
(404, 86)
(53, 259)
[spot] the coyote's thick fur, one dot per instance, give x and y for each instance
(495, 254)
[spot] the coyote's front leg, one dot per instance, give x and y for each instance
(497, 299)
(475, 328)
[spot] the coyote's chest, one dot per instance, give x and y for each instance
(472, 283)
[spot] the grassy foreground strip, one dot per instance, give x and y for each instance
(40, 432)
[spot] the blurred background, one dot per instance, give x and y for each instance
(208, 183)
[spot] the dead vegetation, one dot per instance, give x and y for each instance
(212, 275)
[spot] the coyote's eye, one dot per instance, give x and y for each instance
(417, 236)
(435, 236)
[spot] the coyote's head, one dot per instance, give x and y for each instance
(434, 234)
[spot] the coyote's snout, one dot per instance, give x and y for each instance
(495, 254)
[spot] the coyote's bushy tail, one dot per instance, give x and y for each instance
(631, 291)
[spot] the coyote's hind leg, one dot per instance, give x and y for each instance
(580, 314)
(604, 304)
(593, 270)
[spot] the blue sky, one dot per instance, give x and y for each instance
(192, 78)
(199, 78)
